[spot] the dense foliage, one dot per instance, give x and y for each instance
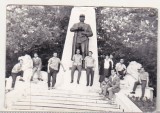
(39, 29)
(129, 33)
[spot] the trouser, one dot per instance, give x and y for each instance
(53, 74)
(83, 46)
(105, 89)
(14, 76)
(121, 74)
(38, 71)
(79, 68)
(143, 85)
(90, 72)
(106, 72)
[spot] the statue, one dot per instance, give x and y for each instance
(81, 33)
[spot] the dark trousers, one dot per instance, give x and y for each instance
(14, 77)
(106, 73)
(79, 68)
(121, 74)
(90, 72)
(53, 74)
(143, 85)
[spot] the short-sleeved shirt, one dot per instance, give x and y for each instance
(37, 62)
(77, 59)
(89, 61)
(120, 67)
(54, 63)
(144, 75)
(17, 68)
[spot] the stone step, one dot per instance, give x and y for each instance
(54, 93)
(64, 105)
(100, 103)
(63, 98)
(60, 109)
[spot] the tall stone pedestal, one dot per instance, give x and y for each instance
(90, 18)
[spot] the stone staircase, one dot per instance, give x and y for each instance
(39, 98)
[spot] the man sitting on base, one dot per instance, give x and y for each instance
(143, 80)
(112, 86)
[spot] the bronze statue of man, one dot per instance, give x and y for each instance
(81, 33)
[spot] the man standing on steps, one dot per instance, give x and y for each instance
(16, 71)
(80, 40)
(77, 64)
(90, 67)
(53, 64)
(37, 65)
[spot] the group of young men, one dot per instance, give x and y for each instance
(53, 67)
(110, 77)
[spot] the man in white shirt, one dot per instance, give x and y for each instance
(121, 69)
(77, 64)
(90, 66)
(53, 65)
(16, 71)
(143, 80)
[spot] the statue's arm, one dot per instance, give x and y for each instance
(74, 28)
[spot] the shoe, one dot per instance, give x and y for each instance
(52, 87)
(49, 88)
(21, 80)
(132, 92)
(40, 79)
(90, 84)
(109, 101)
(77, 82)
(71, 81)
(141, 98)
(87, 85)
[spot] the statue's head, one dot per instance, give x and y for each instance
(82, 18)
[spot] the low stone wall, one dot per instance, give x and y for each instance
(126, 104)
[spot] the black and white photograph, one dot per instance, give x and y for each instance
(66, 58)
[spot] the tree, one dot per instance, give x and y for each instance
(129, 33)
(39, 29)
